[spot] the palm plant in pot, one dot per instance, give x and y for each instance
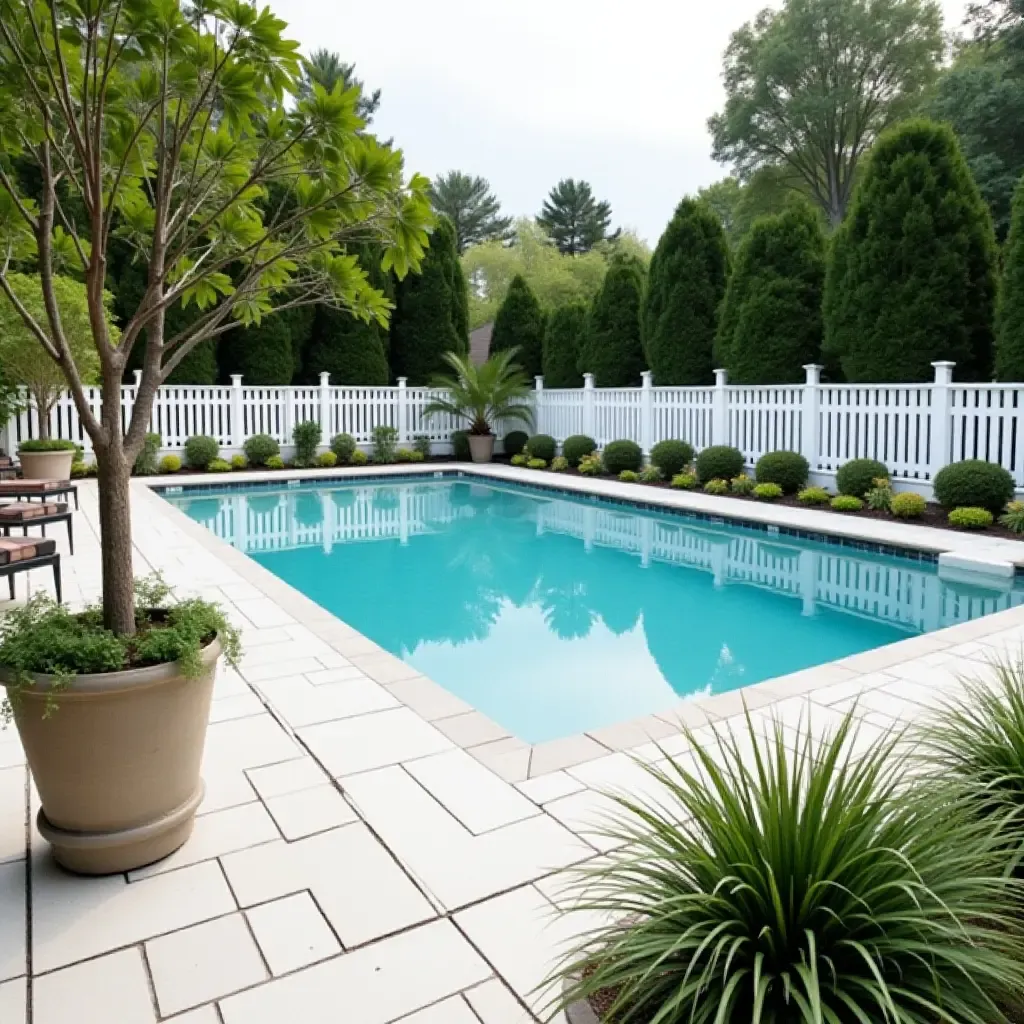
(495, 392)
(187, 140)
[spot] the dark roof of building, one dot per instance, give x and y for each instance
(480, 343)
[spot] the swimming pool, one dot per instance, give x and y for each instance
(554, 614)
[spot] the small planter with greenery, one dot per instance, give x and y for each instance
(483, 395)
(46, 458)
(88, 704)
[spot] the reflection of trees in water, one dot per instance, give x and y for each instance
(264, 504)
(308, 509)
(205, 510)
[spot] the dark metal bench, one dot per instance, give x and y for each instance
(43, 489)
(20, 554)
(30, 513)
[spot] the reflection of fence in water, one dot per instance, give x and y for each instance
(900, 594)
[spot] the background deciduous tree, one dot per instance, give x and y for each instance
(612, 349)
(770, 323)
(685, 286)
(812, 84)
(573, 218)
(912, 274)
(20, 357)
(167, 125)
(472, 208)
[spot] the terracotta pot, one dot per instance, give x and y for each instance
(117, 763)
(481, 447)
(46, 465)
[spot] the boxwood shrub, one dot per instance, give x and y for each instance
(970, 518)
(671, 457)
(200, 451)
(858, 476)
(514, 442)
(787, 469)
(907, 505)
(620, 455)
(719, 462)
(146, 460)
(974, 483)
(576, 447)
(344, 446)
(541, 446)
(260, 448)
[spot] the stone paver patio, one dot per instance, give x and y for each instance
(370, 849)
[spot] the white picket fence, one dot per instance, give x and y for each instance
(914, 429)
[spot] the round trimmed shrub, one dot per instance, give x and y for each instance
(460, 446)
(541, 446)
(907, 505)
(858, 476)
(813, 496)
(974, 483)
(343, 446)
(716, 486)
(515, 442)
(787, 469)
(847, 503)
(360, 458)
(275, 462)
(719, 462)
(620, 455)
(576, 447)
(170, 464)
(327, 460)
(672, 457)
(200, 451)
(259, 448)
(970, 518)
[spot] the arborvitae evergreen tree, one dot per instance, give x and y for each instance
(612, 350)
(520, 325)
(912, 272)
(460, 298)
(770, 325)
(563, 336)
(261, 353)
(1010, 313)
(685, 285)
(427, 319)
(351, 350)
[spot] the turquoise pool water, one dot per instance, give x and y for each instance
(554, 615)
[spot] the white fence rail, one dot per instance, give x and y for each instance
(914, 429)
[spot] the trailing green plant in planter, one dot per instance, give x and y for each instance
(82, 698)
(807, 882)
(45, 444)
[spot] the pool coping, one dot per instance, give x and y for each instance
(512, 758)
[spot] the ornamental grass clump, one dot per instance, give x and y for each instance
(778, 879)
(1013, 517)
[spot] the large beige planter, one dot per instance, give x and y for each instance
(117, 763)
(481, 447)
(46, 465)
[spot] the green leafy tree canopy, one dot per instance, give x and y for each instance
(812, 84)
(573, 218)
(167, 124)
(471, 207)
(685, 285)
(912, 274)
(328, 70)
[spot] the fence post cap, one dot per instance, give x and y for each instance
(236, 380)
(813, 372)
(943, 371)
(539, 381)
(588, 380)
(721, 376)
(402, 381)
(325, 378)
(645, 378)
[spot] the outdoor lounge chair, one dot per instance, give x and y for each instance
(43, 489)
(31, 513)
(19, 554)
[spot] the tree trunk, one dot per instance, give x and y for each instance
(114, 475)
(114, 478)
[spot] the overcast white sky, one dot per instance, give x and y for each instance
(525, 92)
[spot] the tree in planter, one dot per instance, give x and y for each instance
(519, 326)
(563, 337)
(168, 126)
(771, 318)
(497, 391)
(612, 350)
(911, 277)
(19, 349)
(685, 285)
